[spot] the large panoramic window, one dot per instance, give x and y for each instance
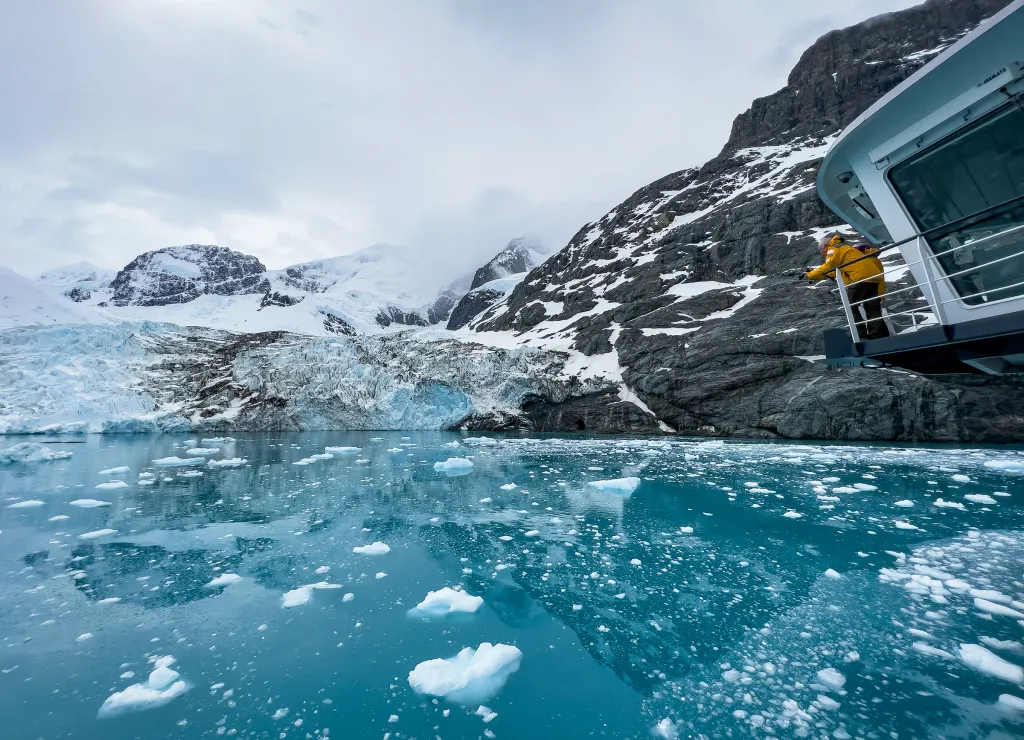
(976, 169)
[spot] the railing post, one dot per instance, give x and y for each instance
(925, 253)
(847, 309)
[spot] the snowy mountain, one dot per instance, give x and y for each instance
(676, 312)
(496, 279)
(79, 281)
(24, 302)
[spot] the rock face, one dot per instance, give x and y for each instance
(393, 315)
(492, 282)
(690, 281)
(182, 274)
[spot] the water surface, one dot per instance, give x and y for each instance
(706, 603)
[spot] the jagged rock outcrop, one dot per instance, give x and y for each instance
(690, 280)
(393, 315)
(182, 274)
(274, 298)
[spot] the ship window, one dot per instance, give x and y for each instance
(975, 169)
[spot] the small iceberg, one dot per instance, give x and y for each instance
(376, 548)
(27, 452)
(177, 462)
(224, 579)
(111, 485)
(95, 535)
(203, 451)
(480, 442)
(30, 504)
(116, 471)
(454, 465)
(624, 486)
(231, 462)
(1010, 466)
(215, 441)
(470, 677)
(302, 594)
(163, 686)
(342, 450)
(89, 503)
(447, 601)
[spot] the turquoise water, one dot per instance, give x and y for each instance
(734, 593)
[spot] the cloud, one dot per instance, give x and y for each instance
(299, 131)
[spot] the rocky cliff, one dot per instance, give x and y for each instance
(689, 283)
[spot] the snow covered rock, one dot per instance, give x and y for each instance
(496, 279)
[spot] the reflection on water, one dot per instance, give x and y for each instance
(700, 602)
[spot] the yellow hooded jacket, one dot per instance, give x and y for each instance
(839, 253)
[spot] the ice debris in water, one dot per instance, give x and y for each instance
(224, 579)
(27, 452)
(453, 464)
(666, 730)
(447, 601)
(96, 534)
(342, 450)
(162, 687)
(948, 504)
(376, 548)
(624, 486)
(177, 462)
(831, 678)
(480, 441)
(231, 462)
(203, 451)
(121, 470)
(1013, 466)
(302, 594)
(833, 574)
(1011, 701)
(982, 659)
(509, 487)
(215, 441)
(89, 503)
(111, 485)
(471, 676)
(979, 498)
(905, 503)
(30, 504)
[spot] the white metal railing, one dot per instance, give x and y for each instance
(933, 272)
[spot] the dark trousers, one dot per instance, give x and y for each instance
(875, 327)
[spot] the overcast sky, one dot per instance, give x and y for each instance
(296, 131)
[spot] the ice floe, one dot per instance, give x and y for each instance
(224, 579)
(28, 452)
(29, 504)
(111, 485)
(302, 594)
(984, 660)
(120, 470)
(375, 548)
(96, 534)
(342, 450)
(454, 465)
(177, 462)
(163, 686)
(623, 486)
(231, 462)
(447, 601)
(203, 451)
(470, 677)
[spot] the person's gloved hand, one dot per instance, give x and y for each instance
(803, 276)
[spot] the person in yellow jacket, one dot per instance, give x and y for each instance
(862, 273)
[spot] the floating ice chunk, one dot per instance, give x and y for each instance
(904, 524)
(395, 449)
(447, 601)
(471, 676)
(27, 452)
(111, 485)
(961, 478)
(831, 678)
(980, 498)
(177, 462)
(984, 660)
(636, 562)
(865, 487)
(215, 441)
(162, 687)
(203, 451)
(486, 712)
(313, 458)
(95, 535)
(1014, 466)
(1010, 646)
(509, 487)
(686, 530)
(302, 594)
(224, 579)
(949, 504)
(29, 504)
(998, 609)
(116, 471)
(826, 702)
(984, 593)
(925, 649)
(666, 730)
(844, 489)
(231, 462)
(833, 574)
(625, 486)
(83, 637)
(89, 503)
(322, 569)
(342, 450)
(480, 442)
(348, 597)
(280, 713)
(532, 533)
(376, 548)
(112, 600)
(58, 518)
(380, 575)
(792, 514)
(454, 465)
(1011, 701)
(905, 503)
(486, 500)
